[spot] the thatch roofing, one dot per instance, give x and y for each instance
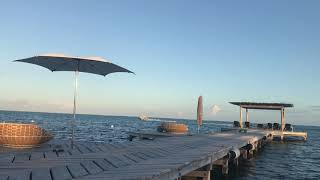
(266, 106)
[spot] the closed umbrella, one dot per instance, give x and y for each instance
(199, 112)
(60, 62)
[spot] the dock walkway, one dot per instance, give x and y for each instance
(161, 158)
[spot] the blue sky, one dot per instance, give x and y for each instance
(179, 49)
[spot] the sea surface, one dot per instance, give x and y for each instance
(277, 160)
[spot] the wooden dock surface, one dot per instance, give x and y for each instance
(161, 158)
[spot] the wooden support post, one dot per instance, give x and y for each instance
(241, 125)
(244, 153)
(225, 168)
(247, 115)
(256, 147)
(282, 119)
(203, 173)
(247, 154)
(260, 144)
(270, 137)
(263, 142)
(224, 162)
(235, 162)
(209, 168)
(250, 154)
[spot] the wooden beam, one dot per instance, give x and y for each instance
(224, 164)
(247, 115)
(282, 120)
(244, 153)
(263, 107)
(202, 174)
(241, 125)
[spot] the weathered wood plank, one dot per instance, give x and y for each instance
(101, 148)
(111, 147)
(77, 170)
(91, 167)
(21, 175)
(150, 154)
(92, 147)
(41, 174)
(7, 158)
(4, 177)
(83, 149)
(21, 157)
(103, 164)
(50, 155)
(133, 158)
(117, 146)
(74, 151)
(60, 173)
(36, 155)
(106, 147)
(63, 154)
(126, 160)
(141, 155)
(116, 162)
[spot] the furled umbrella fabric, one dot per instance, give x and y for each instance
(60, 62)
(199, 112)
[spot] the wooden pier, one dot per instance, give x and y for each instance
(153, 156)
(161, 158)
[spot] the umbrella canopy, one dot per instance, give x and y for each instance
(199, 112)
(60, 62)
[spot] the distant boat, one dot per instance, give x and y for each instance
(143, 117)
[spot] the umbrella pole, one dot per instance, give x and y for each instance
(74, 106)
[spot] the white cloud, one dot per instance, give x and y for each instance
(215, 109)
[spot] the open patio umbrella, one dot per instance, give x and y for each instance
(60, 62)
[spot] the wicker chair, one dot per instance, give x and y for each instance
(288, 127)
(236, 124)
(260, 126)
(173, 128)
(276, 126)
(18, 135)
(247, 124)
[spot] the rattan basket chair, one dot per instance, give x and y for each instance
(173, 128)
(19, 135)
